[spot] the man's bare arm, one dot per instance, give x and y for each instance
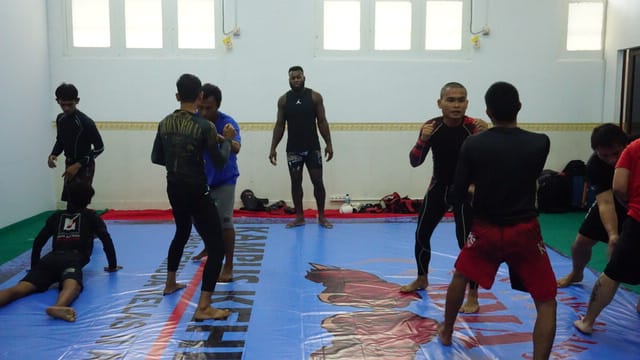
(323, 124)
(278, 130)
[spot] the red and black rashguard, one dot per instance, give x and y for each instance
(444, 143)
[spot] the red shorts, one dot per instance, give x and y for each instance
(519, 245)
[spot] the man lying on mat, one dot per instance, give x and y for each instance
(73, 231)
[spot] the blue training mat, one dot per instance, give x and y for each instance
(301, 293)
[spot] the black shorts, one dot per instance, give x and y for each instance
(592, 225)
(623, 265)
(312, 159)
(55, 267)
(84, 175)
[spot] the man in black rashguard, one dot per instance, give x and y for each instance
(180, 143)
(302, 110)
(442, 135)
(504, 164)
(77, 136)
(604, 219)
(73, 231)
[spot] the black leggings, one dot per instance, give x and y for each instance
(434, 206)
(193, 205)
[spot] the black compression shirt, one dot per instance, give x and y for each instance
(504, 164)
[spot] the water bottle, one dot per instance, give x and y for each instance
(347, 199)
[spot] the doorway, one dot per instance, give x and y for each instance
(630, 107)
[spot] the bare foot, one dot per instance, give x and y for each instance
(295, 223)
(211, 313)
(170, 289)
(583, 327)
(470, 306)
(65, 313)
(444, 335)
(419, 283)
(571, 278)
(325, 223)
(203, 254)
(226, 275)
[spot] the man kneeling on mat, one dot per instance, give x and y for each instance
(73, 231)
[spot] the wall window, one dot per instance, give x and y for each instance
(341, 27)
(443, 25)
(196, 24)
(90, 23)
(141, 26)
(392, 25)
(415, 27)
(584, 25)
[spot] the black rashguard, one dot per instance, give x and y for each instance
(180, 143)
(599, 173)
(78, 137)
(74, 230)
(504, 164)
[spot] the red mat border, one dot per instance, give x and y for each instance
(160, 214)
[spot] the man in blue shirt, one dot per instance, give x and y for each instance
(222, 182)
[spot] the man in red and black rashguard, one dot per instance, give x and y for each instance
(77, 136)
(504, 164)
(73, 231)
(443, 136)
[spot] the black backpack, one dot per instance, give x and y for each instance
(554, 192)
(576, 171)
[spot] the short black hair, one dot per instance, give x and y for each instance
(80, 193)
(608, 135)
(188, 87)
(66, 92)
(210, 90)
(296, 68)
(503, 101)
(451, 85)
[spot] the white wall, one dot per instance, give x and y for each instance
(525, 50)
(367, 165)
(622, 33)
(26, 184)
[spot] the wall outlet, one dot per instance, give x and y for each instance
(236, 31)
(486, 31)
(336, 198)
